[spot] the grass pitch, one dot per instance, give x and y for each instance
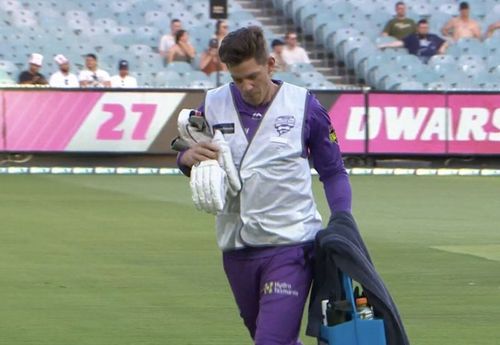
(127, 260)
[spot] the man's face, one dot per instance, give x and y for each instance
(90, 62)
(123, 72)
(423, 29)
(224, 28)
(291, 40)
(34, 68)
(401, 10)
(278, 49)
(464, 13)
(175, 26)
(64, 67)
(252, 80)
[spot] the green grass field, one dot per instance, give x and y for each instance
(127, 260)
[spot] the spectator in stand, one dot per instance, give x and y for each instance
(221, 30)
(182, 49)
(292, 53)
(167, 41)
(93, 76)
(210, 60)
(462, 26)
(492, 28)
(400, 26)
(277, 53)
(123, 79)
(422, 43)
(63, 78)
(32, 76)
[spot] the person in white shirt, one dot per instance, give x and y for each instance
(292, 53)
(93, 76)
(63, 78)
(123, 79)
(167, 41)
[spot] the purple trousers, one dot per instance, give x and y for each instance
(270, 286)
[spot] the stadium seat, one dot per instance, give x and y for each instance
(158, 19)
(321, 85)
(179, 66)
(298, 68)
(224, 77)
(410, 86)
(351, 46)
(148, 35)
(339, 38)
(10, 68)
(201, 84)
(288, 77)
(439, 86)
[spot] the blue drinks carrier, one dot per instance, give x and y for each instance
(355, 331)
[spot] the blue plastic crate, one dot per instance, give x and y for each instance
(356, 331)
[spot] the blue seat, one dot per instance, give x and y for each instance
(10, 68)
(411, 86)
(180, 67)
(298, 68)
(439, 86)
(288, 77)
(351, 46)
(224, 77)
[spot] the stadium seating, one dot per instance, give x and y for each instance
(348, 29)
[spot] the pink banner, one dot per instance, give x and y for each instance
(90, 121)
(418, 123)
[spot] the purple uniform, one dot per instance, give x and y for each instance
(271, 284)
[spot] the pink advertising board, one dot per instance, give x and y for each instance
(64, 121)
(418, 123)
(145, 121)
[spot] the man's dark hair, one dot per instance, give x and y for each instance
(399, 3)
(179, 34)
(90, 55)
(422, 21)
(175, 20)
(244, 44)
(464, 5)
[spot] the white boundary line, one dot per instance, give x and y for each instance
(173, 171)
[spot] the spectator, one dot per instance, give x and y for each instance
(167, 41)
(33, 76)
(221, 30)
(462, 26)
(492, 28)
(93, 76)
(123, 79)
(277, 53)
(292, 53)
(422, 43)
(210, 60)
(400, 26)
(63, 78)
(182, 49)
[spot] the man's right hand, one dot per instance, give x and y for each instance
(199, 152)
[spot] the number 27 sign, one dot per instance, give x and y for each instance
(113, 128)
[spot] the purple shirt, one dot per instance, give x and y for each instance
(324, 152)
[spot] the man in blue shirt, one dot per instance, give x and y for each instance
(422, 43)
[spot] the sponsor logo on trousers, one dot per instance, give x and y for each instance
(279, 288)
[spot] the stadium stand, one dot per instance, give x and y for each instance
(342, 34)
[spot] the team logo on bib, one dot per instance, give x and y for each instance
(284, 124)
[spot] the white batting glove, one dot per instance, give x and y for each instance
(227, 163)
(208, 184)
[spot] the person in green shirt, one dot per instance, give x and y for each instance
(400, 26)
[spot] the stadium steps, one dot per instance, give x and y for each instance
(273, 20)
